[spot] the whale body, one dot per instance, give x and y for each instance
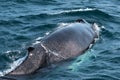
(64, 43)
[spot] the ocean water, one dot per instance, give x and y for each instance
(23, 22)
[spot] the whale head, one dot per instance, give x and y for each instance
(95, 27)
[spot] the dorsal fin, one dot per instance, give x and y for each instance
(30, 49)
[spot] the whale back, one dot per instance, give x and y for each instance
(70, 41)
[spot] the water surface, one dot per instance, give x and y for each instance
(24, 21)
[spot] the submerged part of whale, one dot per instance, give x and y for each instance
(64, 43)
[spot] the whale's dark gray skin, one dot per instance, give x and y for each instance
(64, 43)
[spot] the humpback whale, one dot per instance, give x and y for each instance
(64, 43)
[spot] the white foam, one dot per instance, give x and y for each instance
(90, 45)
(8, 51)
(36, 42)
(73, 10)
(103, 27)
(61, 25)
(39, 38)
(12, 66)
(12, 57)
(47, 33)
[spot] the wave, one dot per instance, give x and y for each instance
(43, 15)
(88, 13)
(91, 13)
(84, 12)
(73, 10)
(10, 22)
